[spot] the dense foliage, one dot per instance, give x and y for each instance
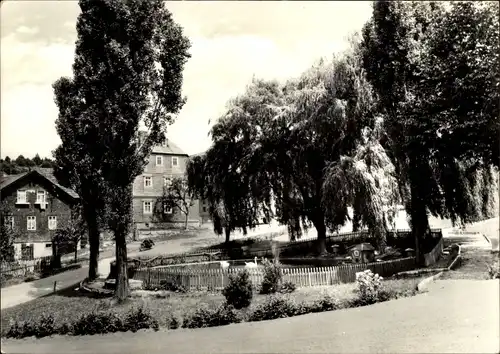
(431, 70)
(238, 292)
(23, 164)
(127, 72)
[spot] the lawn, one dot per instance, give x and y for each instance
(67, 305)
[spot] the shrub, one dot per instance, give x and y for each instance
(147, 244)
(139, 319)
(238, 292)
(42, 327)
(275, 307)
(173, 322)
(272, 278)
(494, 270)
(368, 287)
(287, 287)
(205, 317)
(98, 323)
(173, 284)
(326, 303)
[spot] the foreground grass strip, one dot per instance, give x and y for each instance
(56, 314)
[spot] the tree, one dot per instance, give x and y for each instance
(78, 162)
(177, 194)
(127, 71)
(288, 143)
(37, 160)
(7, 235)
(432, 174)
(70, 233)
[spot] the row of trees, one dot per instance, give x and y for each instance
(408, 114)
(22, 164)
(127, 74)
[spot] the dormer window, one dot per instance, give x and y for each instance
(21, 197)
(40, 197)
(148, 181)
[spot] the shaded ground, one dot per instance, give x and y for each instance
(460, 316)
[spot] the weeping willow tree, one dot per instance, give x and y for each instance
(297, 144)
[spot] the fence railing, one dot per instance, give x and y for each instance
(22, 267)
(400, 238)
(214, 280)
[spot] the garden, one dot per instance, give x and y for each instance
(71, 313)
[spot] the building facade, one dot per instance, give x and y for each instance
(34, 206)
(166, 162)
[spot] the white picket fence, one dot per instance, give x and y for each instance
(215, 279)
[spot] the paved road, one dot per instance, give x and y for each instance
(454, 316)
(24, 292)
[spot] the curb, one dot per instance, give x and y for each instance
(424, 283)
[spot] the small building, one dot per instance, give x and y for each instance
(34, 206)
(362, 253)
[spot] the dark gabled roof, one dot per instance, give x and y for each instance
(9, 179)
(46, 173)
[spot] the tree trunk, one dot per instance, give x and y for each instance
(321, 229)
(228, 233)
(94, 249)
(419, 221)
(356, 221)
(186, 221)
(76, 252)
(121, 291)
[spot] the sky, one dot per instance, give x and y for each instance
(231, 42)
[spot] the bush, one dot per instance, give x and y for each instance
(238, 292)
(287, 287)
(272, 278)
(173, 322)
(275, 307)
(173, 284)
(494, 270)
(43, 327)
(368, 287)
(139, 319)
(326, 303)
(147, 244)
(98, 323)
(205, 317)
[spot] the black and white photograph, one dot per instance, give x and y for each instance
(249, 176)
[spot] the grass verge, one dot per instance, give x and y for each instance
(173, 309)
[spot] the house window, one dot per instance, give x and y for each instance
(167, 209)
(21, 197)
(167, 181)
(9, 222)
(147, 207)
(48, 245)
(204, 209)
(31, 223)
(52, 222)
(159, 160)
(27, 253)
(40, 197)
(175, 161)
(148, 181)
